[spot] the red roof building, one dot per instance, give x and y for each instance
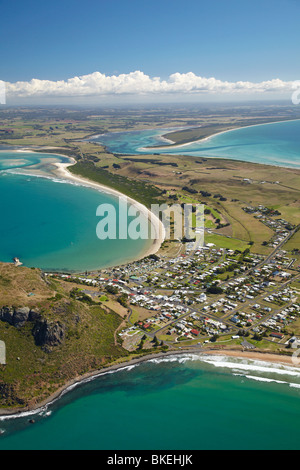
(195, 332)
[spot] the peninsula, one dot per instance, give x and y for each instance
(238, 295)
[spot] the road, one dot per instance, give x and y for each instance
(225, 319)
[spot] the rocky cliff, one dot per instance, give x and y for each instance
(46, 333)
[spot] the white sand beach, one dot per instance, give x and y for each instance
(205, 139)
(128, 363)
(157, 226)
(61, 171)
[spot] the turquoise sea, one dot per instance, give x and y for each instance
(272, 144)
(177, 403)
(50, 223)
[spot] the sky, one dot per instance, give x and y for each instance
(176, 48)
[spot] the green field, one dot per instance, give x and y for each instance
(224, 242)
(35, 371)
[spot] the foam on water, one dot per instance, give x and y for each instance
(261, 370)
(44, 410)
(240, 367)
(252, 365)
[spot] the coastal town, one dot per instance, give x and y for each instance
(150, 228)
(205, 295)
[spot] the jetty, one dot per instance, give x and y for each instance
(17, 262)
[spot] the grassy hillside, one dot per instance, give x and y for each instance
(225, 186)
(34, 369)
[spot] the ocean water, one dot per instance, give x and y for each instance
(173, 403)
(50, 223)
(176, 403)
(272, 144)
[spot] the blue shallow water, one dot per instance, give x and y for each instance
(51, 224)
(273, 144)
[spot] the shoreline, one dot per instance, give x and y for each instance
(205, 139)
(272, 358)
(157, 225)
(61, 172)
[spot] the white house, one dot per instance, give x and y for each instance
(295, 342)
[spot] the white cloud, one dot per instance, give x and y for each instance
(2, 93)
(138, 83)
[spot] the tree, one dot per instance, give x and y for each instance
(257, 337)
(232, 267)
(122, 299)
(154, 257)
(220, 270)
(214, 338)
(214, 289)
(111, 289)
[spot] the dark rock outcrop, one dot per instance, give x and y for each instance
(15, 316)
(7, 314)
(20, 316)
(48, 333)
(34, 315)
